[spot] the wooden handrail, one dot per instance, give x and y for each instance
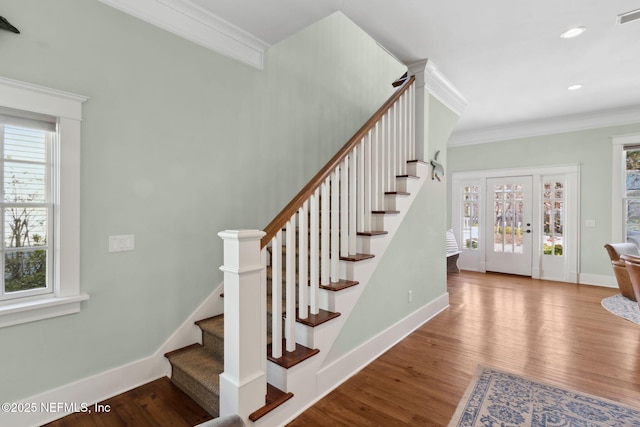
(296, 203)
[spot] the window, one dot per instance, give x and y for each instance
(552, 218)
(470, 210)
(626, 188)
(25, 206)
(40, 202)
(631, 196)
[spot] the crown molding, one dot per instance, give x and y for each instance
(189, 21)
(438, 85)
(569, 123)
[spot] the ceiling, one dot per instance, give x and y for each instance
(505, 57)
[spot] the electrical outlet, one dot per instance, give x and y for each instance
(410, 296)
(590, 223)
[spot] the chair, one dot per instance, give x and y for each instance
(615, 251)
(632, 264)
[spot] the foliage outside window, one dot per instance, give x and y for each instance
(553, 218)
(470, 209)
(508, 206)
(25, 211)
(632, 195)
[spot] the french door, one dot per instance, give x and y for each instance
(508, 216)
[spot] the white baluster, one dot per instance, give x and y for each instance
(276, 295)
(360, 196)
(335, 225)
(367, 182)
(380, 165)
(393, 158)
(290, 286)
(353, 208)
(303, 263)
(389, 181)
(412, 120)
(314, 258)
(324, 233)
(373, 143)
(344, 207)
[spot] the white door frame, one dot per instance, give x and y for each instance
(475, 259)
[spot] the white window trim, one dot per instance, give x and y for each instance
(67, 108)
(618, 168)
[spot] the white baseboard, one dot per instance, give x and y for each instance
(84, 393)
(598, 280)
(338, 371)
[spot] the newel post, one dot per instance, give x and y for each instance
(419, 70)
(243, 384)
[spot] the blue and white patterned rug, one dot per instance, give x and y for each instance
(500, 399)
(623, 307)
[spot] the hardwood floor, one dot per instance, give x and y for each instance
(159, 403)
(549, 331)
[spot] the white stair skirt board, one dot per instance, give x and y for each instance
(104, 385)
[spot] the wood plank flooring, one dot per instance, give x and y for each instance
(159, 403)
(549, 331)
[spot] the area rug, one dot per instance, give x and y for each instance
(623, 307)
(500, 399)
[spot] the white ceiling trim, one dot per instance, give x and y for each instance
(551, 126)
(439, 86)
(187, 20)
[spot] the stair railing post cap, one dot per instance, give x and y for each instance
(241, 234)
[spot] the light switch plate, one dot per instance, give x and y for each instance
(122, 243)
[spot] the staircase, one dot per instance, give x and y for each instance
(314, 259)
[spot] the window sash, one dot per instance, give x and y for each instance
(25, 258)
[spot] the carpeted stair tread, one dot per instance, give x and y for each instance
(199, 364)
(196, 372)
(213, 335)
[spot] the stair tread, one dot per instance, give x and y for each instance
(339, 285)
(213, 325)
(385, 212)
(199, 365)
(357, 257)
(314, 320)
(274, 398)
(372, 233)
(292, 358)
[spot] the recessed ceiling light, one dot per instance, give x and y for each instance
(573, 32)
(575, 87)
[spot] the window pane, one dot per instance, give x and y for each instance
(553, 219)
(470, 198)
(24, 183)
(25, 270)
(25, 227)
(24, 144)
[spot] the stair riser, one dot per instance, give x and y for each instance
(213, 344)
(204, 397)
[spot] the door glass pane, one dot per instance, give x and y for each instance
(470, 217)
(508, 210)
(553, 219)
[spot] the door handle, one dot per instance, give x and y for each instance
(528, 231)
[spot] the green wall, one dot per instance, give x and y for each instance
(415, 259)
(591, 149)
(178, 143)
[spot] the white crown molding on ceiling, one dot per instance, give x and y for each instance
(187, 20)
(439, 86)
(572, 123)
